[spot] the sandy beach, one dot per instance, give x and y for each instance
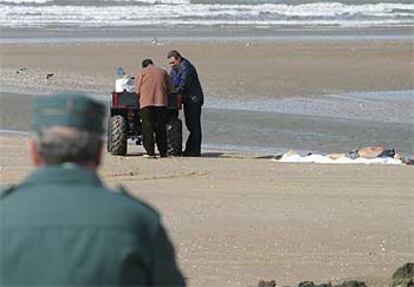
(296, 93)
(237, 218)
(235, 70)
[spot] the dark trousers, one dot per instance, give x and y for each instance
(192, 115)
(154, 123)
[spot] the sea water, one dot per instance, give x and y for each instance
(168, 13)
(69, 21)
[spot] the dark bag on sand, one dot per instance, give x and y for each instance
(387, 153)
(353, 154)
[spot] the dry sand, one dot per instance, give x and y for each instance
(236, 219)
(228, 69)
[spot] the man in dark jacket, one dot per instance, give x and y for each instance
(62, 226)
(185, 79)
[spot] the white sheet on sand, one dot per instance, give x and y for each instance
(316, 158)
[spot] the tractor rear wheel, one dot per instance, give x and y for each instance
(108, 136)
(117, 136)
(175, 137)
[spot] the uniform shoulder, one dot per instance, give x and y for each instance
(122, 191)
(137, 212)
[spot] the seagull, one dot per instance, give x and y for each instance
(48, 76)
(156, 42)
(21, 70)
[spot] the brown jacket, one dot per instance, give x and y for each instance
(152, 87)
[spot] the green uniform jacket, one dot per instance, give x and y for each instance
(63, 227)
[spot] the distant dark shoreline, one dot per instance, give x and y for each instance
(188, 34)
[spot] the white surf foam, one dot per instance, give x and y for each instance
(317, 158)
(26, 1)
(154, 2)
(182, 12)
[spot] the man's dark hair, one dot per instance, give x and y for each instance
(147, 62)
(175, 54)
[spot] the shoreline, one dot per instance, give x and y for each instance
(194, 34)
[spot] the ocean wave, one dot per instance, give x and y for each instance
(95, 3)
(25, 1)
(180, 12)
(153, 2)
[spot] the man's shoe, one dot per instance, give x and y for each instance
(191, 154)
(149, 156)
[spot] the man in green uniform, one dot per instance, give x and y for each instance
(61, 226)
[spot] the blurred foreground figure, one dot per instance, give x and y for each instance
(61, 226)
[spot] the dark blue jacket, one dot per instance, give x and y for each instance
(186, 82)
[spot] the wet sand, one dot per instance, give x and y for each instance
(231, 70)
(289, 76)
(272, 133)
(236, 219)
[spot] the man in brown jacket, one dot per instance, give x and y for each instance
(152, 88)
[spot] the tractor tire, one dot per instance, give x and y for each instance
(117, 136)
(175, 137)
(108, 136)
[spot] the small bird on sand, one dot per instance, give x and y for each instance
(21, 70)
(48, 76)
(156, 42)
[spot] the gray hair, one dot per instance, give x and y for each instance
(58, 145)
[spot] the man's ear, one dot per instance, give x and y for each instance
(95, 163)
(100, 156)
(34, 155)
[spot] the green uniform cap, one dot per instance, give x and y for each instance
(68, 109)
